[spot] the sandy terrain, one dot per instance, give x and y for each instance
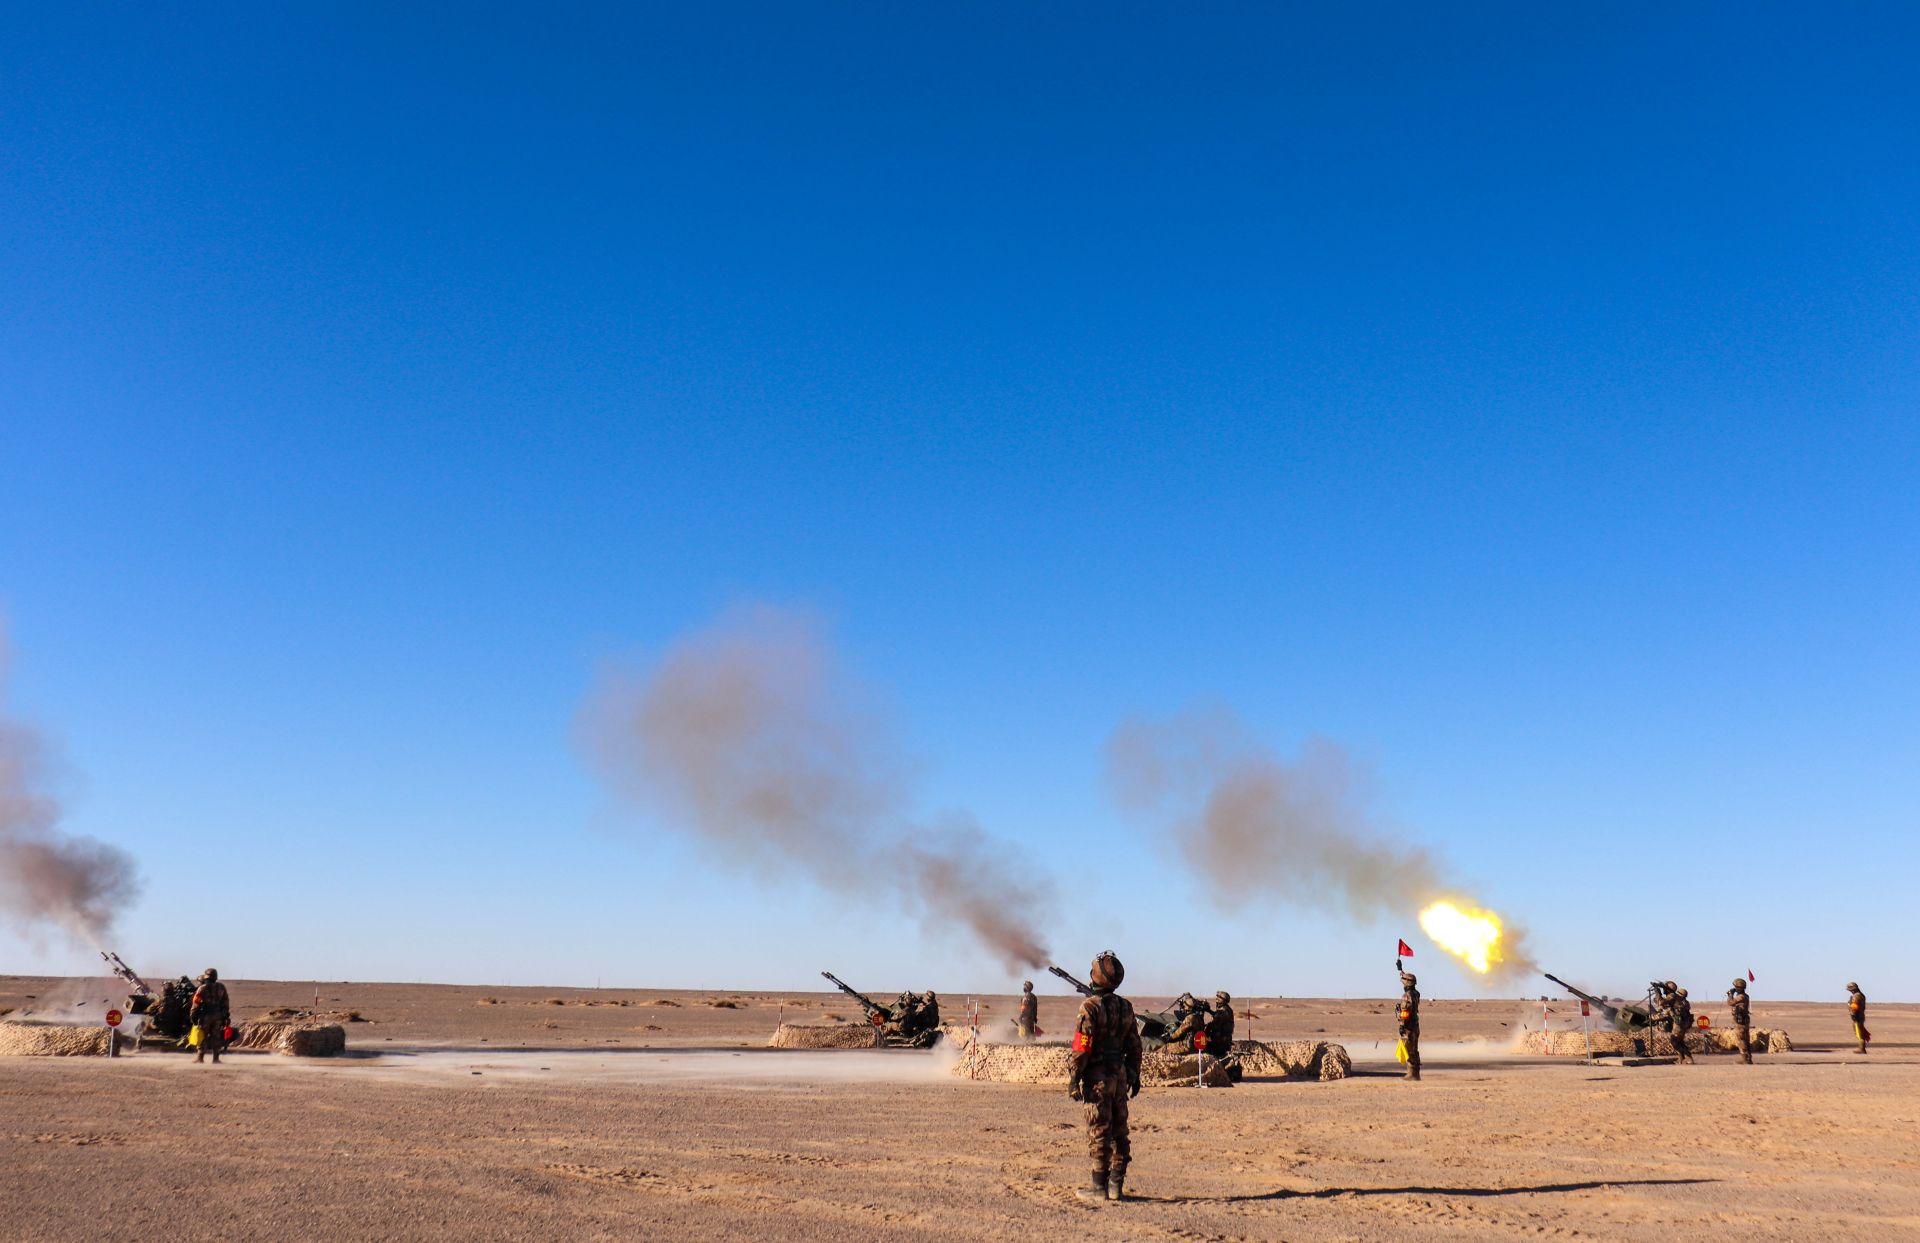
(597, 1119)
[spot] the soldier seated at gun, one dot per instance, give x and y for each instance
(913, 1021)
(1192, 1017)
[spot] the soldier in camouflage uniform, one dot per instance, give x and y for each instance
(1026, 1023)
(1103, 1075)
(1857, 1011)
(1220, 1026)
(1742, 1007)
(1194, 1017)
(1679, 1023)
(211, 1012)
(1410, 1021)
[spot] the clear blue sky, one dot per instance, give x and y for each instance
(1525, 399)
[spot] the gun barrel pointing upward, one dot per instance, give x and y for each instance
(1078, 987)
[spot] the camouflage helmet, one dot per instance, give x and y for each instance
(1223, 998)
(1740, 983)
(1671, 986)
(1679, 992)
(1107, 972)
(209, 974)
(1408, 979)
(1852, 987)
(928, 997)
(1183, 1001)
(1026, 986)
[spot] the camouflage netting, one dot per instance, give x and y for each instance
(53, 1040)
(1611, 1043)
(1294, 1059)
(1012, 1063)
(825, 1036)
(294, 1039)
(1160, 1068)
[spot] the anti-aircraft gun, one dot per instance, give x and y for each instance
(1629, 1017)
(166, 1012)
(1154, 1025)
(912, 1023)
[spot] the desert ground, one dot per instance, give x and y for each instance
(513, 1113)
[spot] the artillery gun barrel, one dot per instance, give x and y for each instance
(873, 1009)
(1078, 987)
(1608, 1010)
(127, 974)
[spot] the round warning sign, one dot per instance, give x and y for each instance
(113, 1018)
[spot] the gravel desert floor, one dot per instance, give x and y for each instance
(497, 1113)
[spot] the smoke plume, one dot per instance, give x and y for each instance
(1257, 828)
(747, 735)
(49, 878)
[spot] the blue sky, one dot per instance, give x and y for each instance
(1523, 399)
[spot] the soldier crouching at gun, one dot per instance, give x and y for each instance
(1103, 1074)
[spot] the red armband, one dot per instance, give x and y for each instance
(1080, 1042)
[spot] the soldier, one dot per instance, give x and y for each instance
(1660, 1004)
(1220, 1027)
(1103, 1075)
(1194, 1016)
(1742, 1008)
(1857, 1011)
(1679, 1023)
(211, 1013)
(1410, 1021)
(1026, 1023)
(176, 1000)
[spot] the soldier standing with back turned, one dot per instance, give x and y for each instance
(1857, 1011)
(1410, 1021)
(1220, 1026)
(211, 1013)
(1742, 1008)
(1103, 1075)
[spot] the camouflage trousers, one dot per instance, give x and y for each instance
(1743, 1036)
(1103, 1094)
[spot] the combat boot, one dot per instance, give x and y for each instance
(1117, 1185)
(1096, 1190)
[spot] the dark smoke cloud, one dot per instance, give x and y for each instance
(747, 735)
(49, 878)
(1257, 828)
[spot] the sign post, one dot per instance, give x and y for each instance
(1586, 1030)
(113, 1033)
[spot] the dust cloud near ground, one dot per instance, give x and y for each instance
(497, 1113)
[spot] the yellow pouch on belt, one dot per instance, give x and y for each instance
(1400, 1052)
(194, 1037)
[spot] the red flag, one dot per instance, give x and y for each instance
(1405, 951)
(1750, 979)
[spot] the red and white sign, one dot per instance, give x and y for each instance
(1584, 1011)
(113, 1018)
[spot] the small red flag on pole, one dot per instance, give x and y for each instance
(1750, 978)
(1405, 951)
